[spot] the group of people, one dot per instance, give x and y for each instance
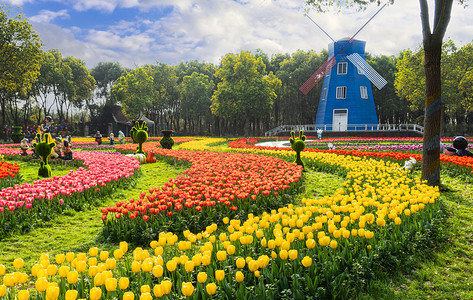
(111, 138)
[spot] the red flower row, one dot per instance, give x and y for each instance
(214, 178)
(8, 169)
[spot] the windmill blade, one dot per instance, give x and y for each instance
(366, 23)
(318, 75)
(368, 70)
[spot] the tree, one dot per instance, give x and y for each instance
(432, 43)
(20, 58)
(106, 74)
(135, 92)
(196, 91)
(245, 92)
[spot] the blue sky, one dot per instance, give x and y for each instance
(137, 32)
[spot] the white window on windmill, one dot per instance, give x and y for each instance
(324, 94)
(341, 92)
(360, 71)
(363, 92)
(342, 68)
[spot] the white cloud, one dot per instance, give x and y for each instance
(17, 2)
(46, 16)
(207, 30)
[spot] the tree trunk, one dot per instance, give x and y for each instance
(433, 116)
(433, 86)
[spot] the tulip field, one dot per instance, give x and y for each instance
(238, 221)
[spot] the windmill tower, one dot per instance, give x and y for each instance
(347, 97)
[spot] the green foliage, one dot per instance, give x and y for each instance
(298, 145)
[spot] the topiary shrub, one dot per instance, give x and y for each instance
(167, 141)
(139, 135)
(44, 150)
(298, 145)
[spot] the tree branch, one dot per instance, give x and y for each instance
(424, 16)
(442, 19)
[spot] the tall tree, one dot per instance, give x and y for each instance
(20, 58)
(106, 74)
(135, 92)
(432, 43)
(195, 91)
(245, 93)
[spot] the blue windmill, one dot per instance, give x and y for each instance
(347, 97)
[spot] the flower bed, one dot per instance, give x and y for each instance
(25, 206)
(327, 247)
(215, 186)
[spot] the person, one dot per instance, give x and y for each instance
(460, 143)
(24, 146)
(121, 137)
(98, 137)
(67, 149)
(111, 138)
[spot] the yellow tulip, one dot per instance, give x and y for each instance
(293, 254)
(72, 277)
(171, 265)
(95, 293)
(103, 255)
(206, 260)
(2, 270)
(136, 266)
(158, 291)
(82, 256)
(41, 284)
(187, 289)
(153, 244)
(197, 259)
(71, 295)
(283, 254)
(118, 253)
(240, 263)
(3, 290)
(70, 256)
(63, 270)
(123, 283)
(221, 255)
(239, 276)
(219, 275)
(189, 266)
(147, 265)
(94, 251)
(99, 279)
(257, 273)
(158, 271)
(111, 284)
(397, 221)
(52, 293)
(307, 261)
(81, 266)
(211, 288)
(52, 270)
(202, 277)
(128, 296)
(253, 265)
(145, 289)
(124, 246)
(18, 263)
(23, 295)
(158, 251)
(166, 285)
(333, 244)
